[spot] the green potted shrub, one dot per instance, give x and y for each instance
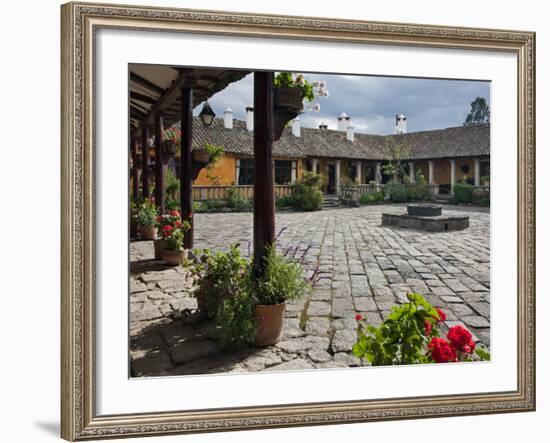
(146, 218)
(280, 281)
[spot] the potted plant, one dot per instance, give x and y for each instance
(280, 281)
(146, 217)
(205, 157)
(171, 219)
(172, 250)
(218, 276)
(289, 93)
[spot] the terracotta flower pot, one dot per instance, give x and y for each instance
(147, 232)
(159, 247)
(172, 258)
(269, 323)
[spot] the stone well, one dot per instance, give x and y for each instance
(426, 217)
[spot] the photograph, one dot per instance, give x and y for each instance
(368, 242)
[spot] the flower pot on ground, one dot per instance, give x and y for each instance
(147, 232)
(173, 258)
(281, 280)
(166, 224)
(172, 251)
(145, 218)
(269, 323)
(159, 247)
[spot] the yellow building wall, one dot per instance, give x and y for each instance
(221, 173)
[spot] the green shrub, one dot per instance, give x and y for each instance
(418, 191)
(396, 192)
(373, 197)
(282, 280)
(223, 292)
(235, 201)
(481, 197)
(463, 193)
(235, 321)
(307, 193)
(285, 202)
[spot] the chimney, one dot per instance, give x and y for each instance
(400, 124)
(344, 120)
(350, 133)
(249, 118)
(228, 118)
(323, 126)
(296, 127)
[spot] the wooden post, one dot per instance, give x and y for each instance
(264, 188)
(159, 165)
(144, 162)
(186, 163)
(135, 170)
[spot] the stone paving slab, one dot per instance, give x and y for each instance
(363, 267)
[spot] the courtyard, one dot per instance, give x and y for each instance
(361, 266)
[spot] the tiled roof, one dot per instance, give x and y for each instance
(463, 141)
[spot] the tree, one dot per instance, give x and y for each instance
(479, 113)
(397, 153)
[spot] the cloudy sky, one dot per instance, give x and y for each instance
(373, 102)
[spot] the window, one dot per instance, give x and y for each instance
(284, 172)
(245, 171)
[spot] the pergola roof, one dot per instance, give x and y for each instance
(158, 88)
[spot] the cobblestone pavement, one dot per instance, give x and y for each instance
(363, 268)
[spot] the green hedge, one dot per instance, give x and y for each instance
(463, 193)
(373, 197)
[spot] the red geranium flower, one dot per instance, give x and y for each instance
(167, 230)
(174, 213)
(177, 224)
(461, 339)
(427, 327)
(441, 350)
(442, 315)
(358, 317)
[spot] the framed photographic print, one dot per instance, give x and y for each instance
(282, 221)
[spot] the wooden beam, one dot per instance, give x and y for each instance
(264, 187)
(135, 111)
(146, 83)
(159, 164)
(142, 97)
(135, 169)
(169, 96)
(144, 162)
(186, 163)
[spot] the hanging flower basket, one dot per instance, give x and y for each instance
(287, 104)
(169, 149)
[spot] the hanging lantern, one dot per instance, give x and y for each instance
(207, 115)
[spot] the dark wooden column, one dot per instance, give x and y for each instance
(144, 162)
(135, 170)
(186, 162)
(159, 164)
(264, 189)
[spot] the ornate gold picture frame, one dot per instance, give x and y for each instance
(80, 22)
